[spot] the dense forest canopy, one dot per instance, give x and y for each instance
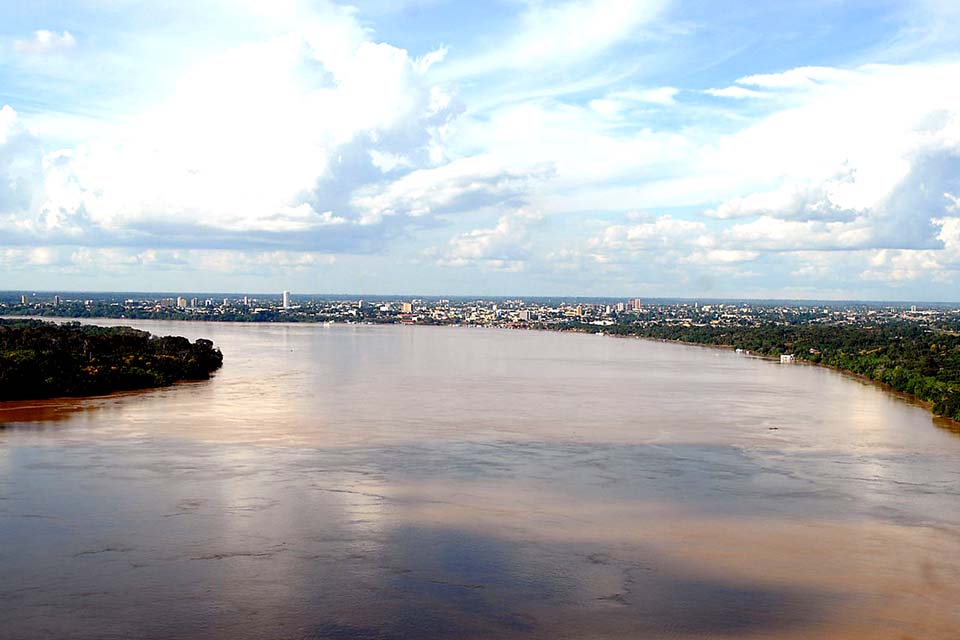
(43, 360)
(910, 358)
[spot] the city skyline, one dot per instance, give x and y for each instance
(593, 149)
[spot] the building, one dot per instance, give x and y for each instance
(636, 304)
(56, 301)
(182, 302)
(23, 299)
(286, 299)
(787, 358)
(406, 307)
(194, 302)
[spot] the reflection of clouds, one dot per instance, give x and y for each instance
(408, 482)
(451, 541)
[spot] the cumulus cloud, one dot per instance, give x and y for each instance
(21, 169)
(869, 154)
(505, 246)
(246, 143)
(467, 183)
(44, 41)
(790, 201)
(664, 232)
(308, 134)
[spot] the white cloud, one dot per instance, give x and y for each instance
(44, 41)
(738, 93)
(505, 246)
(791, 201)
(617, 102)
(953, 202)
(574, 31)
(108, 260)
(8, 120)
(722, 256)
(246, 138)
(664, 232)
(799, 77)
(465, 183)
(306, 132)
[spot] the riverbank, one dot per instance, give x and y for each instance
(927, 403)
(899, 358)
(41, 360)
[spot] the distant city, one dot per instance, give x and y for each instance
(553, 313)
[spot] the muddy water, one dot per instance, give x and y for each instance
(402, 482)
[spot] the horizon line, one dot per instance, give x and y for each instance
(357, 296)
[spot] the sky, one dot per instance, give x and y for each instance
(645, 148)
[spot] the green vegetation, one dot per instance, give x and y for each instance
(915, 360)
(43, 360)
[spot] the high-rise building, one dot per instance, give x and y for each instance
(23, 299)
(56, 301)
(406, 307)
(286, 299)
(194, 302)
(182, 302)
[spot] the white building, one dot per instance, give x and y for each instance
(787, 358)
(286, 299)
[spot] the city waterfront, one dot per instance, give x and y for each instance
(368, 482)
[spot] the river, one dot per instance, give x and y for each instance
(383, 483)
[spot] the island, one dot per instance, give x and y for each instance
(46, 360)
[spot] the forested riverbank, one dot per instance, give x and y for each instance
(44, 360)
(909, 358)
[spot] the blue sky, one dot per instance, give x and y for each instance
(637, 148)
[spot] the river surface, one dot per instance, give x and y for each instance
(386, 483)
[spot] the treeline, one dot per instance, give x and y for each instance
(915, 360)
(44, 360)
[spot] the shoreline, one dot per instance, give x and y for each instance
(949, 423)
(112, 363)
(954, 425)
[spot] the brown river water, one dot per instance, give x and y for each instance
(385, 483)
